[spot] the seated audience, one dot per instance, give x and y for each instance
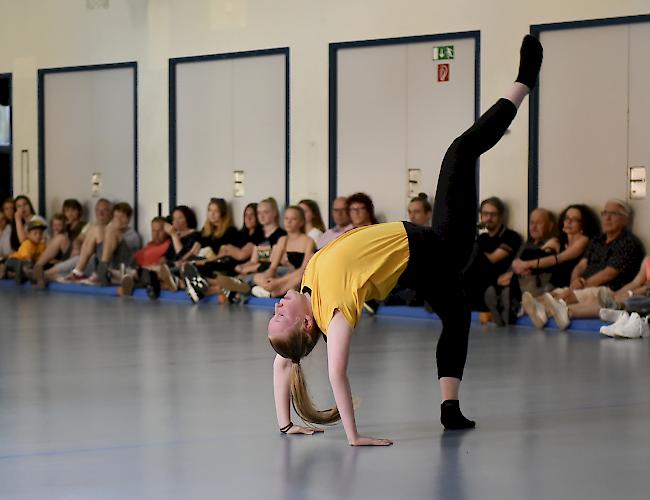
(21, 261)
(69, 246)
(420, 210)
(314, 226)
(23, 215)
(251, 234)
(148, 261)
(361, 210)
(217, 231)
(106, 248)
(503, 298)
(611, 260)
(6, 220)
(494, 251)
(184, 238)
(341, 218)
(269, 216)
(57, 225)
(260, 260)
(635, 299)
(288, 259)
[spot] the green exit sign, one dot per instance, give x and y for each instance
(443, 53)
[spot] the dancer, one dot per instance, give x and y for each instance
(366, 263)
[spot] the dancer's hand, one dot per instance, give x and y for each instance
(309, 431)
(370, 441)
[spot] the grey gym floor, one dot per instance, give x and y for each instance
(103, 398)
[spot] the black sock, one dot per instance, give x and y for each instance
(451, 417)
(530, 61)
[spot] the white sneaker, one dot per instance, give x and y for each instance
(609, 315)
(635, 328)
(610, 330)
(559, 310)
(260, 292)
(534, 310)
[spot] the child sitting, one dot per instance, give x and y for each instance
(21, 261)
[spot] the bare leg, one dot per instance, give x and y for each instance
(93, 238)
(59, 243)
(111, 241)
(585, 309)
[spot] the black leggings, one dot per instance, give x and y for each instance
(439, 253)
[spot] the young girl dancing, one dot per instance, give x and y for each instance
(367, 263)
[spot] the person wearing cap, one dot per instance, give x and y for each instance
(27, 254)
(610, 262)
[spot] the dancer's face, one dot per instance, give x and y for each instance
(290, 312)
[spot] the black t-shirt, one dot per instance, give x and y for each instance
(230, 237)
(256, 237)
(624, 254)
(187, 241)
(265, 247)
(507, 240)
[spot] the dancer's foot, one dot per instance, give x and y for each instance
(530, 62)
(451, 417)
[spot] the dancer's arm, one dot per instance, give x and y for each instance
(338, 350)
(282, 393)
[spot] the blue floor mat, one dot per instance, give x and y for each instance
(586, 325)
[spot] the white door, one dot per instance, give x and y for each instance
(231, 115)
(393, 115)
(89, 133)
(594, 116)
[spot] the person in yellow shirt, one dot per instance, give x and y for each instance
(366, 263)
(22, 260)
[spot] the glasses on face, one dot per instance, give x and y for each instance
(489, 214)
(356, 210)
(572, 219)
(339, 210)
(607, 213)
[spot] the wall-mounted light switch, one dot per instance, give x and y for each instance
(637, 183)
(239, 183)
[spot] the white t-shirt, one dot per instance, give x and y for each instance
(315, 233)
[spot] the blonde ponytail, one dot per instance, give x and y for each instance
(303, 403)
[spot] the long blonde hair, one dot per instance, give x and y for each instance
(299, 344)
(217, 231)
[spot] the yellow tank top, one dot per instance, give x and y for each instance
(358, 266)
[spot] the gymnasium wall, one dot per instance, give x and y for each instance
(39, 34)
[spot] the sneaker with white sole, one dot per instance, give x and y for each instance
(635, 328)
(610, 330)
(260, 292)
(559, 310)
(609, 315)
(534, 310)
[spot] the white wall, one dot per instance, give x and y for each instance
(38, 34)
